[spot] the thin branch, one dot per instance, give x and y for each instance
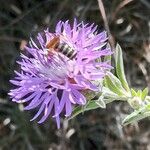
(103, 13)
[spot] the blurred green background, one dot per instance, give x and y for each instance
(129, 23)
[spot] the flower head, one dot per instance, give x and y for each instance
(53, 82)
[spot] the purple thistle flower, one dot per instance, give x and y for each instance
(51, 81)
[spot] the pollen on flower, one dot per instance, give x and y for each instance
(59, 67)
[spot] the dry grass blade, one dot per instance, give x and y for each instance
(121, 5)
(103, 13)
(23, 15)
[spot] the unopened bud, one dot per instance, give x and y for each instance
(136, 102)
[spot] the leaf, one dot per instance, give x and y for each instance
(107, 58)
(114, 84)
(133, 92)
(144, 93)
(108, 93)
(137, 115)
(101, 102)
(147, 98)
(120, 67)
(91, 105)
(139, 93)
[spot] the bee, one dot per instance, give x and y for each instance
(56, 46)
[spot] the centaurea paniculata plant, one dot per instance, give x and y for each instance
(54, 84)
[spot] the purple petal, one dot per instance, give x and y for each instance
(39, 112)
(80, 99)
(48, 108)
(68, 108)
(35, 102)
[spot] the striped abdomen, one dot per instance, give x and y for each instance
(66, 50)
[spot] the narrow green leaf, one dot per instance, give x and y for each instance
(147, 98)
(114, 84)
(144, 93)
(120, 67)
(107, 58)
(101, 102)
(133, 92)
(133, 117)
(108, 93)
(91, 105)
(139, 93)
(137, 115)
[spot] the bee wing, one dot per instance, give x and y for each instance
(52, 44)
